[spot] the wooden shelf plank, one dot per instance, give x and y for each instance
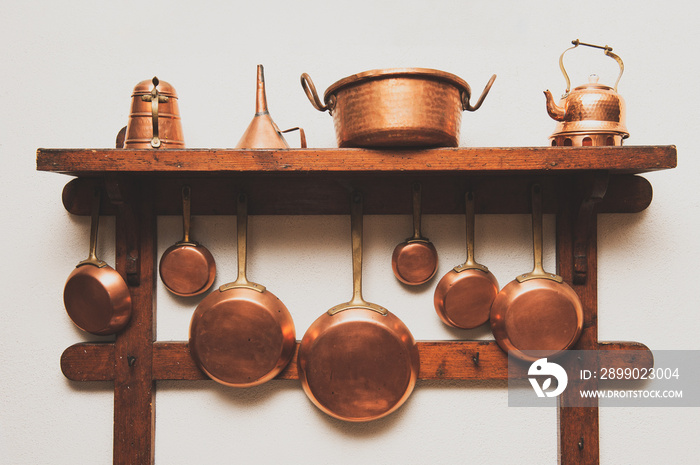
(440, 360)
(629, 159)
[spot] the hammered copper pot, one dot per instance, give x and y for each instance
(154, 119)
(405, 107)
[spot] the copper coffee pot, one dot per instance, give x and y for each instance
(262, 132)
(154, 121)
(591, 114)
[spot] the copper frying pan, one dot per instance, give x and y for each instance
(95, 295)
(187, 268)
(537, 314)
(463, 297)
(358, 362)
(415, 260)
(242, 335)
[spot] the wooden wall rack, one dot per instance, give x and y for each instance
(577, 183)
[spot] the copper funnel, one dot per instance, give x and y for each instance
(154, 120)
(262, 132)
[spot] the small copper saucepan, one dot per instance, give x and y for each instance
(95, 295)
(415, 260)
(537, 314)
(187, 268)
(242, 335)
(358, 362)
(463, 297)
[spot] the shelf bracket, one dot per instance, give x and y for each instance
(591, 189)
(121, 194)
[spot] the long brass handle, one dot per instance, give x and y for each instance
(417, 211)
(94, 225)
(356, 225)
(538, 270)
(242, 240)
(470, 264)
(186, 213)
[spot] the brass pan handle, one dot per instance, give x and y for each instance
(466, 95)
(310, 90)
(607, 50)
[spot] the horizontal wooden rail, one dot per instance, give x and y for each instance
(439, 360)
(316, 195)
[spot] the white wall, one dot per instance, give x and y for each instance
(67, 72)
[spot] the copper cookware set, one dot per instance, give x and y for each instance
(357, 361)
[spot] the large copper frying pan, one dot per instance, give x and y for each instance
(242, 335)
(95, 295)
(538, 314)
(463, 297)
(358, 362)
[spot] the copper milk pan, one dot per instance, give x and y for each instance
(537, 314)
(242, 335)
(358, 362)
(154, 120)
(262, 132)
(95, 295)
(406, 107)
(463, 297)
(415, 260)
(187, 268)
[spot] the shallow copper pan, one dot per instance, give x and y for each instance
(358, 362)
(96, 296)
(242, 335)
(537, 314)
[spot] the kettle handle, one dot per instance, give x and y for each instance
(310, 89)
(607, 50)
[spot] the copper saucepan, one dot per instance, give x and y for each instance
(358, 362)
(242, 335)
(415, 260)
(95, 295)
(187, 268)
(537, 314)
(405, 107)
(463, 297)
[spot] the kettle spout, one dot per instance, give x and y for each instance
(555, 111)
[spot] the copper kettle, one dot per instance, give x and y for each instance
(154, 120)
(591, 114)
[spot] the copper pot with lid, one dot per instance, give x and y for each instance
(154, 120)
(591, 114)
(404, 107)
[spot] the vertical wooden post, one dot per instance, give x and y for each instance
(578, 426)
(134, 388)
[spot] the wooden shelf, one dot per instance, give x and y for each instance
(85, 162)
(577, 184)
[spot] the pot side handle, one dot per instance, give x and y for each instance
(310, 90)
(466, 95)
